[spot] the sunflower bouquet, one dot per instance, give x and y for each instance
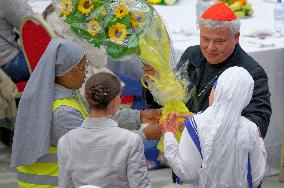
(130, 27)
(166, 2)
(108, 23)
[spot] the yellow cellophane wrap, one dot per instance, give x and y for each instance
(166, 88)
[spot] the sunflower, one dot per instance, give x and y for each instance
(103, 10)
(137, 19)
(117, 33)
(93, 27)
(121, 11)
(66, 7)
(85, 6)
(155, 1)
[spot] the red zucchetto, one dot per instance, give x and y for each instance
(220, 12)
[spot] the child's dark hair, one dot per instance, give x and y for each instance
(100, 89)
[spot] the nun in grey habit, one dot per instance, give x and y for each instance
(39, 126)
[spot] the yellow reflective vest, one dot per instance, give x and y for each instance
(44, 172)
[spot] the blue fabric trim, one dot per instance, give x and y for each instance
(138, 103)
(215, 84)
(249, 176)
(17, 69)
(133, 87)
(192, 130)
(178, 180)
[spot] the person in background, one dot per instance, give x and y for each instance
(113, 157)
(51, 106)
(12, 60)
(8, 108)
(219, 147)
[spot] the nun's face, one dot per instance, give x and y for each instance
(78, 73)
(75, 78)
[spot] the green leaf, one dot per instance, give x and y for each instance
(133, 41)
(114, 50)
(75, 16)
(139, 31)
(107, 20)
(74, 3)
(134, 50)
(111, 21)
(92, 14)
(96, 41)
(133, 46)
(79, 16)
(126, 21)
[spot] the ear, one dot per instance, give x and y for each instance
(237, 37)
(114, 105)
(117, 100)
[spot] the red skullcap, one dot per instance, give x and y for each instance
(220, 12)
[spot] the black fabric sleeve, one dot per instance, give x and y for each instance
(259, 109)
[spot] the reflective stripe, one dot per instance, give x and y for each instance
(72, 103)
(37, 179)
(28, 185)
(82, 104)
(52, 149)
(48, 158)
(44, 173)
(48, 169)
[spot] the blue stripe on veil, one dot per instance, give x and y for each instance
(192, 130)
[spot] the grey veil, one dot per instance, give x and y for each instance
(33, 123)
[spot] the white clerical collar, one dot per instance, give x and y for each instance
(100, 122)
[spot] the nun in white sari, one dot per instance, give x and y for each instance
(219, 147)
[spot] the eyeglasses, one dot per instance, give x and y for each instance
(85, 67)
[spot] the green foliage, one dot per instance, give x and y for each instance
(75, 17)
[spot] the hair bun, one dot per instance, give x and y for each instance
(101, 88)
(98, 93)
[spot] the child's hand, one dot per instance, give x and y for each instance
(170, 123)
(180, 125)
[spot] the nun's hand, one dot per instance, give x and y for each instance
(151, 116)
(170, 123)
(153, 132)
